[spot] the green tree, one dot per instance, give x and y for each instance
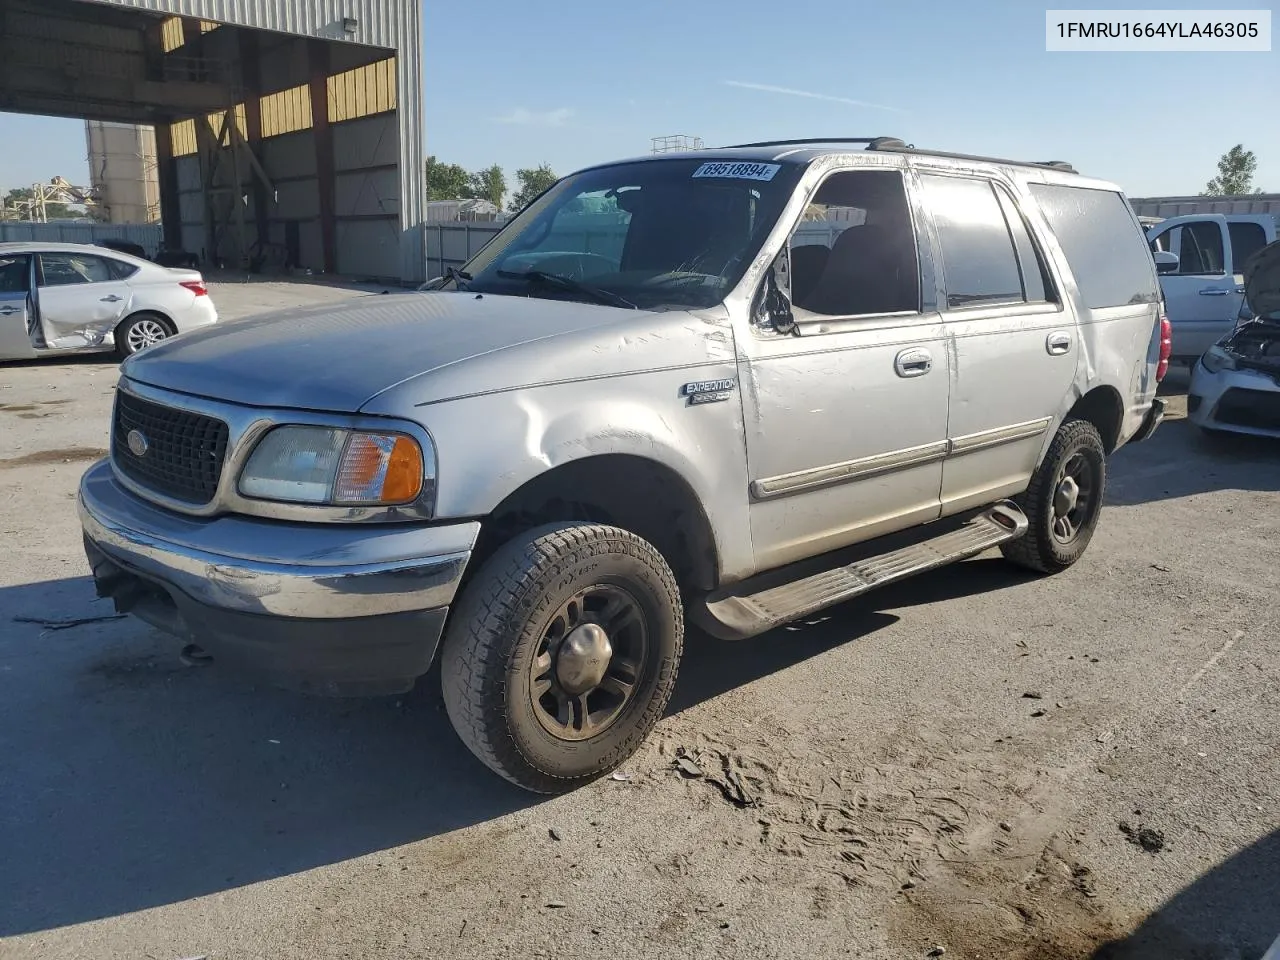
(1235, 174)
(532, 182)
(446, 181)
(488, 184)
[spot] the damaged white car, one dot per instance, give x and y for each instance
(1235, 386)
(75, 298)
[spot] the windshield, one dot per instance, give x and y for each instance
(656, 234)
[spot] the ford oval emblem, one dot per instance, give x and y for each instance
(138, 443)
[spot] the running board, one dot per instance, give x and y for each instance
(736, 614)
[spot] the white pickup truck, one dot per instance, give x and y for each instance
(1200, 273)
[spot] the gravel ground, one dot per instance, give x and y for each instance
(978, 761)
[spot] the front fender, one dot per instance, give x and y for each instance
(489, 446)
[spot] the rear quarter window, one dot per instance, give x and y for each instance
(1105, 248)
(119, 269)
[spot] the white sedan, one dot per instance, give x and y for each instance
(75, 298)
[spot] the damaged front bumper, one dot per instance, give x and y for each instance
(333, 609)
(1242, 400)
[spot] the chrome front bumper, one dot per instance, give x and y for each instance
(332, 602)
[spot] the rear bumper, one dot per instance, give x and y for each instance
(335, 608)
(1153, 419)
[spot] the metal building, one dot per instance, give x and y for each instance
(287, 132)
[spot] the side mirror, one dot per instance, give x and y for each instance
(1166, 262)
(772, 309)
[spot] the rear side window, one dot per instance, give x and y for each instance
(119, 269)
(1106, 250)
(978, 257)
(1246, 240)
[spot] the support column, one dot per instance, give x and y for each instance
(318, 64)
(170, 202)
(250, 59)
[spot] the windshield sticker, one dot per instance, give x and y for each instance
(739, 171)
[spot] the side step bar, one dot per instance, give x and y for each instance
(736, 614)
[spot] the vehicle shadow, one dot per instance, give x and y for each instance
(129, 780)
(96, 359)
(1232, 910)
(1179, 460)
(711, 667)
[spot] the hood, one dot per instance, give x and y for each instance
(338, 357)
(1262, 281)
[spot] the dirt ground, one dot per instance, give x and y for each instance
(978, 761)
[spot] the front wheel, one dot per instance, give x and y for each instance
(562, 654)
(1063, 502)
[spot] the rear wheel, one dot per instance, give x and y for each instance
(140, 331)
(562, 654)
(1063, 502)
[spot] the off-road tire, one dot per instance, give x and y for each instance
(494, 631)
(1038, 549)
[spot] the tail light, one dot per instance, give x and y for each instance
(1166, 345)
(195, 286)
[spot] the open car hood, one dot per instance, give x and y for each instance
(1262, 282)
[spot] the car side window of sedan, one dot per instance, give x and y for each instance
(65, 269)
(14, 274)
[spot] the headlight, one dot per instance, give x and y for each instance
(1216, 360)
(325, 465)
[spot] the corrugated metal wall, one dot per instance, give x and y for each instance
(1183, 206)
(453, 244)
(380, 209)
(146, 234)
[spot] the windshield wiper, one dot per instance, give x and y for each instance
(459, 278)
(598, 294)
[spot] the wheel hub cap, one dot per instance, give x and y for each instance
(1066, 497)
(583, 658)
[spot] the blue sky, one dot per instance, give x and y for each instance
(572, 83)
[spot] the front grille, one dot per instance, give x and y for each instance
(1250, 408)
(184, 450)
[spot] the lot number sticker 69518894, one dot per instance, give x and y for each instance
(738, 171)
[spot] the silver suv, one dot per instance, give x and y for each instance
(737, 386)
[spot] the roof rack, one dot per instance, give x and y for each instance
(812, 141)
(893, 145)
(897, 145)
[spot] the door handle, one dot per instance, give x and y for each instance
(112, 299)
(1213, 292)
(1058, 343)
(9, 311)
(914, 362)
